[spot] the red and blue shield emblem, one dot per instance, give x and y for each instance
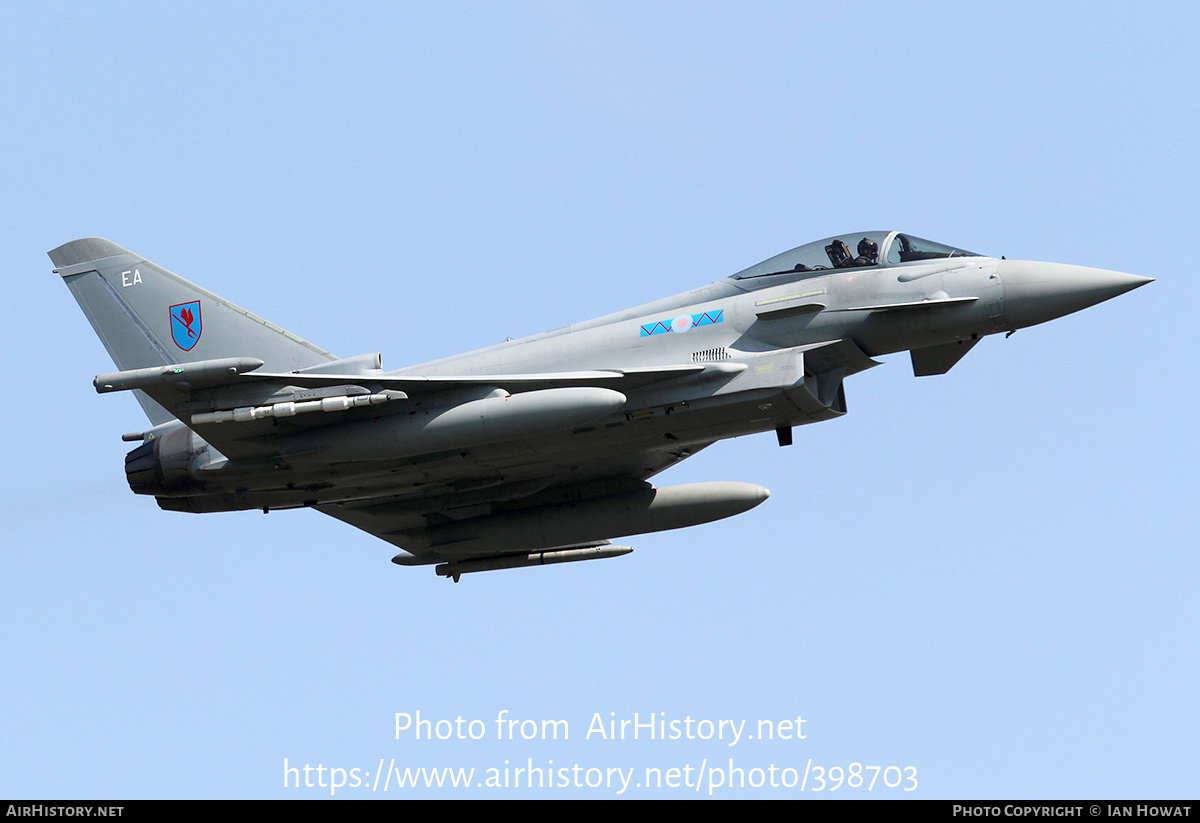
(186, 324)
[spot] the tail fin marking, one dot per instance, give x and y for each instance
(146, 316)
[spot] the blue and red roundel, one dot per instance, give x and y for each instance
(186, 325)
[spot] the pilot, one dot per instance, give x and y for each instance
(868, 253)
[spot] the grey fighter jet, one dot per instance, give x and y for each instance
(537, 450)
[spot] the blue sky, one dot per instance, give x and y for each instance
(988, 577)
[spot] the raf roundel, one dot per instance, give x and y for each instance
(186, 325)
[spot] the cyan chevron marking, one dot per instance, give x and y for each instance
(701, 319)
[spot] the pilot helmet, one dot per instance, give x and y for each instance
(868, 248)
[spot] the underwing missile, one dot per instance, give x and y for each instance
(516, 561)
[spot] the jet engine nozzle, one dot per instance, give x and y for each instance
(163, 466)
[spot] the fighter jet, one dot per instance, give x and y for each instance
(538, 450)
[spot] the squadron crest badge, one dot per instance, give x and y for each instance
(186, 324)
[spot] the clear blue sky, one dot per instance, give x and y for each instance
(988, 576)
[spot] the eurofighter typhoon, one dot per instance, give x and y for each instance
(537, 450)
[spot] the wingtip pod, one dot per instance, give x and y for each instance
(84, 250)
(198, 373)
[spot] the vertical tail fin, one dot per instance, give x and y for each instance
(146, 316)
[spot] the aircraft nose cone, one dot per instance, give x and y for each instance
(1037, 292)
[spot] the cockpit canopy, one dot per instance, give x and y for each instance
(869, 249)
